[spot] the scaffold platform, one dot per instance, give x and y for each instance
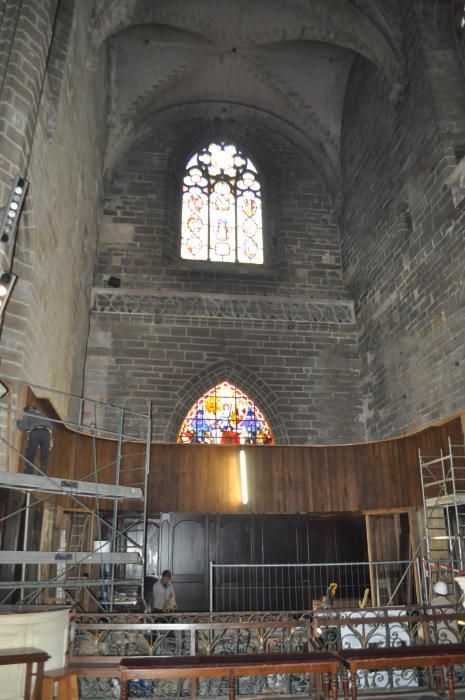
(68, 582)
(51, 484)
(68, 558)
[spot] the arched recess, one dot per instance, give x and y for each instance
(339, 22)
(245, 379)
(303, 139)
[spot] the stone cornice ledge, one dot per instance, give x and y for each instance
(161, 303)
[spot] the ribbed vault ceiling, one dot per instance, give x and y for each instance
(281, 63)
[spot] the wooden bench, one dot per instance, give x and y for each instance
(28, 656)
(65, 680)
(433, 656)
(231, 666)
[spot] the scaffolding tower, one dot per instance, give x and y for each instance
(94, 547)
(443, 494)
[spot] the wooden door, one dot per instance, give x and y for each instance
(186, 555)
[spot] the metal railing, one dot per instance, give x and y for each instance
(83, 414)
(191, 618)
(124, 637)
(135, 634)
(297, 586)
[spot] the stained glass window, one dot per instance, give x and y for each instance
(221, 207)
(225, 416)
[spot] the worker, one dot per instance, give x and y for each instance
(164, 597)
(441, 631)
(38, 436)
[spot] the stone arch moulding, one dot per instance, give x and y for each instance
(129, 133)
(244, 379)
(57, 61)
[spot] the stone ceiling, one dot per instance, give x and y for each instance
(277, 63)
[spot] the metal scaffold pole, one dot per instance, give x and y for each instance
(25, 536)
(148, 457)
(114, 540)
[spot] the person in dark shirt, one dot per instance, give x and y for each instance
(38, 435)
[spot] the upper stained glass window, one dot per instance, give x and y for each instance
(225, 416)
(221, 207)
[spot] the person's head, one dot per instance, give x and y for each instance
(166, 577)
(440, 588)
(30, 407)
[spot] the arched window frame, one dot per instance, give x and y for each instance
(207, 263)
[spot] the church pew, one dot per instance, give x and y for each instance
(432, 656)
(230, 666)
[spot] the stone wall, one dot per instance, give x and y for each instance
(284, 333)
(402, 231)
(46, 324)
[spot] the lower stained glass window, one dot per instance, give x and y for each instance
(225, 416)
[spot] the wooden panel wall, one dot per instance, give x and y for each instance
(188, 541)
(363, 477)
(281, 479)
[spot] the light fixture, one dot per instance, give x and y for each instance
(7, 281)
(13, 209)
(244, 486)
